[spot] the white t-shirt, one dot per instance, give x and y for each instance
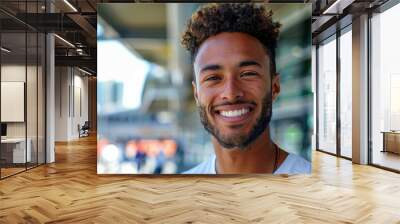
(293, 164)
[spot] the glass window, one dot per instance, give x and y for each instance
(385, 88)
(346, 93)
(327, 96)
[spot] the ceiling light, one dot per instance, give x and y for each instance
(70, 5)
(5, 50)
(64, 40)
(86, 72)
(331, 7)
(337, 7)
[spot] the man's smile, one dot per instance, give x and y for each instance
(234, 114)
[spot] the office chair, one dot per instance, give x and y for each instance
(84, 130)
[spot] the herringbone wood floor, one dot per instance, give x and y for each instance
(70, 191)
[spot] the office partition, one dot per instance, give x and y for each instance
(22, 77)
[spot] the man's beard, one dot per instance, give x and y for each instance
(241, 141)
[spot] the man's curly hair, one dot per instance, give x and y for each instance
(249, 18)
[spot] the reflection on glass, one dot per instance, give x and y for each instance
(385, 86)
(327, 96)
(346, 94)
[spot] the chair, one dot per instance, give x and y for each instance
(84, 130)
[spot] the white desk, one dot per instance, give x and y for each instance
(19, 149)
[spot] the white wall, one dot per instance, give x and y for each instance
(13, 73)
(62, 81)
(71, 93)
(81, 100)
(34, 124)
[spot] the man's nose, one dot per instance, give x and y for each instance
(232, 90)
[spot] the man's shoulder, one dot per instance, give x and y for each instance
(206, 167)
(294, 164)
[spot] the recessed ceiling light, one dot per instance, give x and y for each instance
(70, 5)
(84, 71)
(5, 50)
(337, 7)
(64, 40)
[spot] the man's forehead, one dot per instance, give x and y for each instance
(224, 46)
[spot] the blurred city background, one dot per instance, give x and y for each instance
(147, 118)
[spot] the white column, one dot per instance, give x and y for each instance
(50, 92)
(360, 90)
(50, 99)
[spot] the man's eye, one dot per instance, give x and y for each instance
(212, 78)
(248, 74)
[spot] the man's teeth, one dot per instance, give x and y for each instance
(234, 113)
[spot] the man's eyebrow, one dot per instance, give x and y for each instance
(249, 63)
(212, 67)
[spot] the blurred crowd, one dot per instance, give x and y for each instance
(141, 156)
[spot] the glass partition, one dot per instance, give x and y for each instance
(327, 95)
(22, 88)
(31, 100)
(14, 152)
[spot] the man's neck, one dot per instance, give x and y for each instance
(258, 157)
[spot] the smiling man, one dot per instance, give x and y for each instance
(233, 53)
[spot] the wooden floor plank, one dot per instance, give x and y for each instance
(70, 191)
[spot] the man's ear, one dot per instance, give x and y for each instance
(195, 92)
(276, 86)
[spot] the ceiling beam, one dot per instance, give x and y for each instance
(81, 61)
(84, 24)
